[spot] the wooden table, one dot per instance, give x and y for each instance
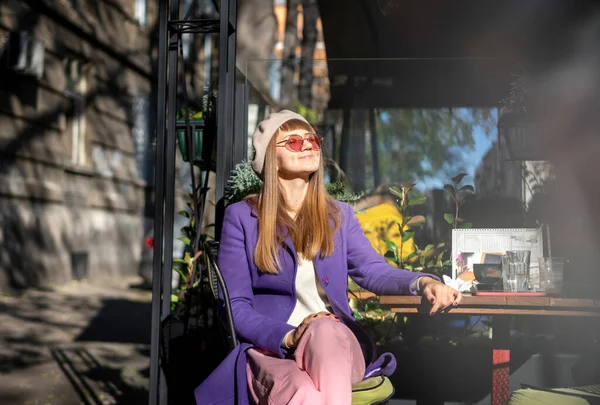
(501, 308)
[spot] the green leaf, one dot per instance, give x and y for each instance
(179, 261)
(417, 220)
(419, 268)
(174, 298)
(185, 240)
(412, 255)
(428, 248)
(458, 178)
(405, 220)
(449, 218)
(401, 229)
(396, 191)
(467, 188)
(408, 235)
(184, 213)
(391, 246)
(450, 190)
(466, 225)
(181, 273)
(447, 263)
(358, 316)
(400, 208)
(196, 284)
(408, 267)
(441, 244)
(417, 200)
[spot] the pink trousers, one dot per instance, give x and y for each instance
(327, 361)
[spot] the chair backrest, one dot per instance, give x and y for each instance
(220, 292)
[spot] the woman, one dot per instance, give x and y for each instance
(286, 255)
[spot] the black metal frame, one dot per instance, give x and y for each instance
(219, 288)
(170, 29)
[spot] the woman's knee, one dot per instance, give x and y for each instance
(325, 326)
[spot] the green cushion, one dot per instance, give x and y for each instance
(374, 390)
(556, 396)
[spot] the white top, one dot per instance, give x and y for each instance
(310, 293)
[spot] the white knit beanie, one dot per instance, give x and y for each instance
(265, 131)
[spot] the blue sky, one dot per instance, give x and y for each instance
(472, 157)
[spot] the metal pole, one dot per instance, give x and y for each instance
(169, 179)
(155, 338)
(225, 117)
(225, 110)
(240, 134)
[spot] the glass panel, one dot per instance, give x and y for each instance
(383, 130)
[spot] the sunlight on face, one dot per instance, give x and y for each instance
(296, 164)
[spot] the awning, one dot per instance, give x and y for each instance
(453, 53)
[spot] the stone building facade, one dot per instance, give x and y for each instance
(75, 138)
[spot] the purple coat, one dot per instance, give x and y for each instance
(261, 303)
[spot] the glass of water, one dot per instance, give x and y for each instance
(515, 270)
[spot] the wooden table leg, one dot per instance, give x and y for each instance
(500, 359)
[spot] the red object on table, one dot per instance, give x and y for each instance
(509, 294)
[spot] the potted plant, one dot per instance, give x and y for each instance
(202, 127)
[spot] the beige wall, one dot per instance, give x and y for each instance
(51, 206)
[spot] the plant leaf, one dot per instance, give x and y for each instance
(391, 246)
(405, 220)
(450, 190)
(458, 178)
(417, 200)
(181, 273)
(428, 248)
(449, 218)
(396, 191)
(185, 240)
(408, 235)
(417, 220)
(467, 188)
(410, 256)
(174, 298)
(466, 225)
(179, 261)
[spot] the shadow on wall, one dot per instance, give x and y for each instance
(48, 231)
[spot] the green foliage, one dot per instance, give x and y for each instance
(422, 143)
(434, 258)
(188, 292)
(405, 198)
(339, 191)
(244, 182)
(458, 195)
(207, 109)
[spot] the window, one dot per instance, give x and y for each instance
(76, 73)
(141, 11)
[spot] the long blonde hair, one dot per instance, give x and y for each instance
(317, 220)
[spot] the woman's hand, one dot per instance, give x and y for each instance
(293, 337)
(439, 295)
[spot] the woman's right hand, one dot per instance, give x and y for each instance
(293, 337)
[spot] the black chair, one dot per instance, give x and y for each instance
(220, 293)
(372, 391)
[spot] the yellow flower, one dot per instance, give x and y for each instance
(381, 222)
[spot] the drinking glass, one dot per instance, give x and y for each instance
(515, 270)
(551, 273)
